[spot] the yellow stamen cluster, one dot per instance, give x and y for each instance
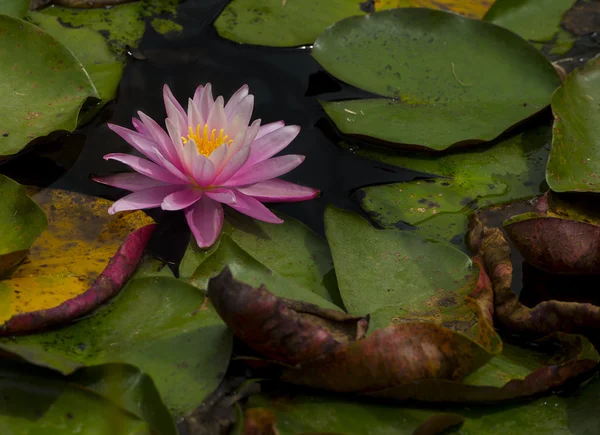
(206, 144)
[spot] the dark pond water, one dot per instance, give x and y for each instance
(286, 84)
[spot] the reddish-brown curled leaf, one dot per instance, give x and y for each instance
(260, 421)
(106, 285)
(543, 319)
(287, 331)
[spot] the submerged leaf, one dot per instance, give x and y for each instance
(42, 85)
(574, 163)
(162, 325)
(21, 222)
(82, 259)
(445, 80)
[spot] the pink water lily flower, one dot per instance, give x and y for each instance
(212, 155)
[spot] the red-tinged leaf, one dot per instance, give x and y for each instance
(284, 330)
(260, 421)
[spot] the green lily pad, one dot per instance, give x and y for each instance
(103, 66)
(534, 20)
(14, 8)
(281, 23)
(124, 24)
(444, 79)
(34, 403)
(574, 163)
(130, 389)
(21, 222)
(291, 249)
(511, 169)
(572, 414)
(161, 325)
(42, 85)
(247, 269)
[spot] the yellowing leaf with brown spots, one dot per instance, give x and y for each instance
(79, 261)
(468, 8)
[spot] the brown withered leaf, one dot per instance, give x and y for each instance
(260, 421)
(544, 318)
(281, 329)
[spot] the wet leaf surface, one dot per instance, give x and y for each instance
(161, 325)
(534, 20)
(14, 8)
(82, 259)
(42, 87)
(21, 222)
(290, 249)
(34, 402)
(438, 87)
(574, 163)
(513, 168)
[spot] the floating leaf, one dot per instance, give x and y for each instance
(123, 24)
(42, 85)
(68, 272)
(291, 249)
(102, 65)
(471, 8)
(281, 23)
(14, 8)
(21, 222)
(248, 270)
(511, 169)
(33, 402)
(574, 163)
(534, 20)
(130, 389)
(281, 329)
(445, 79)
(162, 325)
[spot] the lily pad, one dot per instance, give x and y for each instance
(123, 24)
(162, 325)
(82, 259)
(103, 66)
(34, 402)
(574, 163)
(21, 222)
(444, 80)
(281, 23)
(534, 20)
(511, 169)
(291, 249)
(471, 8)
(14, 8)
(42, 85)
(250, 271)
(130, 389)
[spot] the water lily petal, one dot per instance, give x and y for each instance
(174, 110)
(181, 199)
(139, 126)
(175, 136)
(203, 98)
(218, 156)
(277, 190)
(146, 198)
(251, 132)
(161, 137)
(232, 166)
(143, 144)
(145, 167)
(244, 109)
(129, 181)
(216, 116)
(225, 196)
(195, 118)
(265, 170)
(254, 208)
(205, 219)
(268, 128)
(203, 171)
(162, 161)
(272, 143)
(232, 104)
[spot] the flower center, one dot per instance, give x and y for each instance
(206, 144)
